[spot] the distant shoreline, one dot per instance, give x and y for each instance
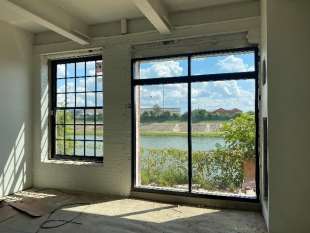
(183, 134)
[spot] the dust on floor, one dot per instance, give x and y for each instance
(83, 213)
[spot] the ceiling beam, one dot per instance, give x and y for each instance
(156, 13)
(51, 17)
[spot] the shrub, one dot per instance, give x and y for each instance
(220, 169)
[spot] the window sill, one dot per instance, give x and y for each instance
(73, 162)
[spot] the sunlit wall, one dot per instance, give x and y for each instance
(15, 111)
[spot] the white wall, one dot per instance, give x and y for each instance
(15, 113)
(288, 50)
(263, 106)
(111, 177)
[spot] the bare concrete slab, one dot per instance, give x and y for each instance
(80, 213)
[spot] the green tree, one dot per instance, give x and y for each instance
(239, 134)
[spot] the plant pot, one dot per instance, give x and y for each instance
(249, 167)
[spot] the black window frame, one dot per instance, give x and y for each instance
(54, 108)
(252, 75)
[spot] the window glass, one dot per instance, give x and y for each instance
(223, 63)
(163, 68)
(79, 109)
(162, 147)
(196, 125)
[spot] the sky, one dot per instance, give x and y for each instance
(69, 72)
(205, 95)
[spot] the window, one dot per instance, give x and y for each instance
(77, 107)
(195, 124)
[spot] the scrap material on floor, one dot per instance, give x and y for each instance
(79, 213)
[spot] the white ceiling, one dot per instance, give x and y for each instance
(183, 5)
(100, 11)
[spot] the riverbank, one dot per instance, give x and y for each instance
(181, 134)
(200, 129)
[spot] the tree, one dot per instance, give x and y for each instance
(239, 134)
(156, 109)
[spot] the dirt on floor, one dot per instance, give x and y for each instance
(84, 213)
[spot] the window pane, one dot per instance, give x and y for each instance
(61, 85)
(90, 99)
(79, 132)
(80, 84)
(223, 63)
(174, 67)
(60, 117)
(70, 85)
(69, 116)
(99, 83)
(99, 99)
(90, 68)
(223, 142)
(59, 132)
(70, 100)
(79, 116)
(90, 116)
(59, 147)
(99, 132)
(90, 132)
(69, 132)
(61, 68)
(80, 99)
(69, 147)
(80, 69)
(99, 67)
(99, 149)
(61, 100)
(79, 148)
(162, 144)
(70, 70)
(90, 148)
(90, 84)
(99, 116)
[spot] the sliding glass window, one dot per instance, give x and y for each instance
(195, 124)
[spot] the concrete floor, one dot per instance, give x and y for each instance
(106, 214)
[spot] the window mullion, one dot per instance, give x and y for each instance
(85, 103)
(74, 152)
(189, 125)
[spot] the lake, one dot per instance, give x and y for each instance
(160, 142)
(180, 142)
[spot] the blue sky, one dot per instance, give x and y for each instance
(206, 95)
(69, 72)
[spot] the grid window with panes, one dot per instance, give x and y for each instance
(78, 109)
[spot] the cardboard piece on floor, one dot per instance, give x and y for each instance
(6, 212)
(30, 206)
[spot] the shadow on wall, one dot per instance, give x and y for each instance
(44, 125)
(13, 172)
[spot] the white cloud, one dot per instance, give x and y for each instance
(207, 95)
(61, 68)
(223, 94)
(162, 69)
(232, 63)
